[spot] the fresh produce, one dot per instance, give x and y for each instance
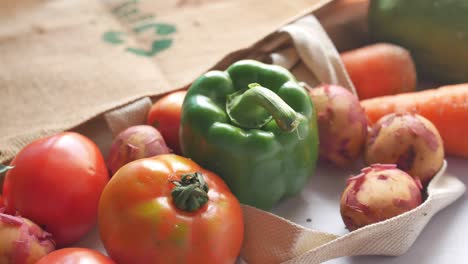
(255, 126)
(167, 209)
(410, 141)
(446, 107)
(342, 124)
(134, 143)
(22, 241)
(165, 114)
(380, 69)
(380, 192)
(56, 183)
(435, 32)
(75, 256)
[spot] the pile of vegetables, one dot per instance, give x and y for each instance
(248, 134)
(403, 151)
(170, 190)
(406, 137)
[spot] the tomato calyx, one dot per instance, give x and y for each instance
(4, 168)
(191, 192)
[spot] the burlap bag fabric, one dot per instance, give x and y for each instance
(63, 62)
(271, 239)
(121, 71)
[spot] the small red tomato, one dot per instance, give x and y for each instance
(75, 256)
(165, 114)
(56, 182)
(167, 209)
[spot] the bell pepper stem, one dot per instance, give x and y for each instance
(191, 192)
(255, 107)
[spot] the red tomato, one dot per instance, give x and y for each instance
(165, 114)
(75, 256)
(56, 182)
(139, 221)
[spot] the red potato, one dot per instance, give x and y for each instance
(134, 143)
(380, 69)
(342, 124)
(22, 241)
(410, 141)
(380, 192)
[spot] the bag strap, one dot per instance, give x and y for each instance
(315, 49)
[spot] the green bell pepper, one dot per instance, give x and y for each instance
(255, 126)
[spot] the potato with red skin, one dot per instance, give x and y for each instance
(380, 192)
(22, 241)
(342, 124)
(136, 142)
(408, 140)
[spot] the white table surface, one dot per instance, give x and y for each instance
(442, 241)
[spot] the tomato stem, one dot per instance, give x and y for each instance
(191, 192)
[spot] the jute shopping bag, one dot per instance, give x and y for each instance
(65, 62)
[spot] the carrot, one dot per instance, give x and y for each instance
(380, 69)
(446, 107)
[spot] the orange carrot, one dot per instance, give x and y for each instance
(380, 69)
(446, 107)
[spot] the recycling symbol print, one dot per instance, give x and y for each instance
(129, 13)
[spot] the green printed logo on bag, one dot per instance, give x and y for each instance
(129, 13)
